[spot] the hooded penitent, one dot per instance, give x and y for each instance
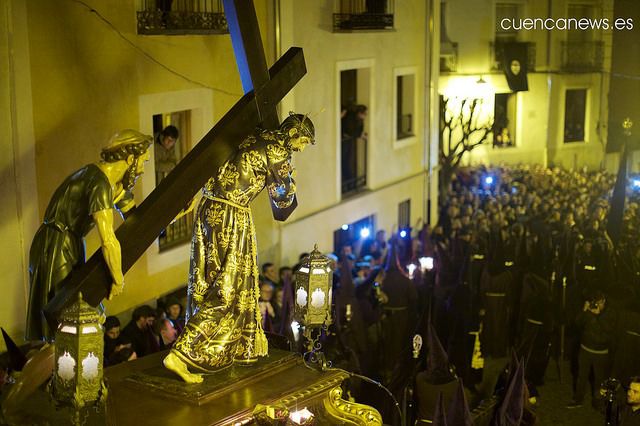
(17, 359)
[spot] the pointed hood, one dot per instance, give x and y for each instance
(438, 369)
(512, 406)
(287, 307)
(17, 359)
(459, 413)
(35, 373)
(614, 224)
(392, 255)
(510, 370)
(440, 414)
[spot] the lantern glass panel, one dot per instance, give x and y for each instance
(90, 366)
(66, 367)
(69, 329)
(317, 298)
(301, 297)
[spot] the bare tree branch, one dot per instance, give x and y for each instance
(463, 132)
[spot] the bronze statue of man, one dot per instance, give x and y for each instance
(86, 198)
(223, 319)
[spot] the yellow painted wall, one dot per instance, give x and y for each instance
(18, 210)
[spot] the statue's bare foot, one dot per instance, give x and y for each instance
(175, 364)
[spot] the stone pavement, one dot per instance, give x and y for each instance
(554, 396)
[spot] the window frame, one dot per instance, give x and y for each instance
(411, 139)
(585, 121)
(515, 134)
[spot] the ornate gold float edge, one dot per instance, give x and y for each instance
(314, 389)
(351, 412)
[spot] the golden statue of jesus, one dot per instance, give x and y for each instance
(223, 319)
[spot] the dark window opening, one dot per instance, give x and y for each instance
(355, 235)
(504, 124)
(353, 134)
(167, 154)
(575, 106)
(405, 106)
(404, 215)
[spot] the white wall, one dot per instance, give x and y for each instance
(320, 211)
(19, 207)
(540, 121)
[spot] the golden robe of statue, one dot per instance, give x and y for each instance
(223, 319)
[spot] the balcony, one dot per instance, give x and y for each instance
(449, 57)
(176, 234)
(404, 127)
(582, 56)
(362, 15)
(354, 166)
(180, 17)
(497, 56)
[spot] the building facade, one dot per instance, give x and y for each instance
(369, 53)
(562, 118)
(77, 72)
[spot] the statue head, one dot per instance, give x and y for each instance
(132, 147)
(299, 131)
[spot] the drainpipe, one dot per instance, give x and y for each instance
(432, 72)
(545, 160)
(427, 107)
(276, 17)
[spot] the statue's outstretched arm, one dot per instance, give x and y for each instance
(110, 249)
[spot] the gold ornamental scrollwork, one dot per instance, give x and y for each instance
(350, 412)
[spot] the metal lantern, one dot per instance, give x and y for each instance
(79, 352)
(313, 290)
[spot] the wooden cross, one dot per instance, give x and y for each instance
(264, 88)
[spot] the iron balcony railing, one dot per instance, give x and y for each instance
(405, 126)
(358, 15)
(497, 55)
(354, 165)
(178, 232)
(582, 56)
(178, 17)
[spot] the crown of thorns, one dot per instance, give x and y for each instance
(301, 124)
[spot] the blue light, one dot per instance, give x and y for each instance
(345, 227)
(488, 180)
(403, 234)
(365, 232)
(636, 183)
